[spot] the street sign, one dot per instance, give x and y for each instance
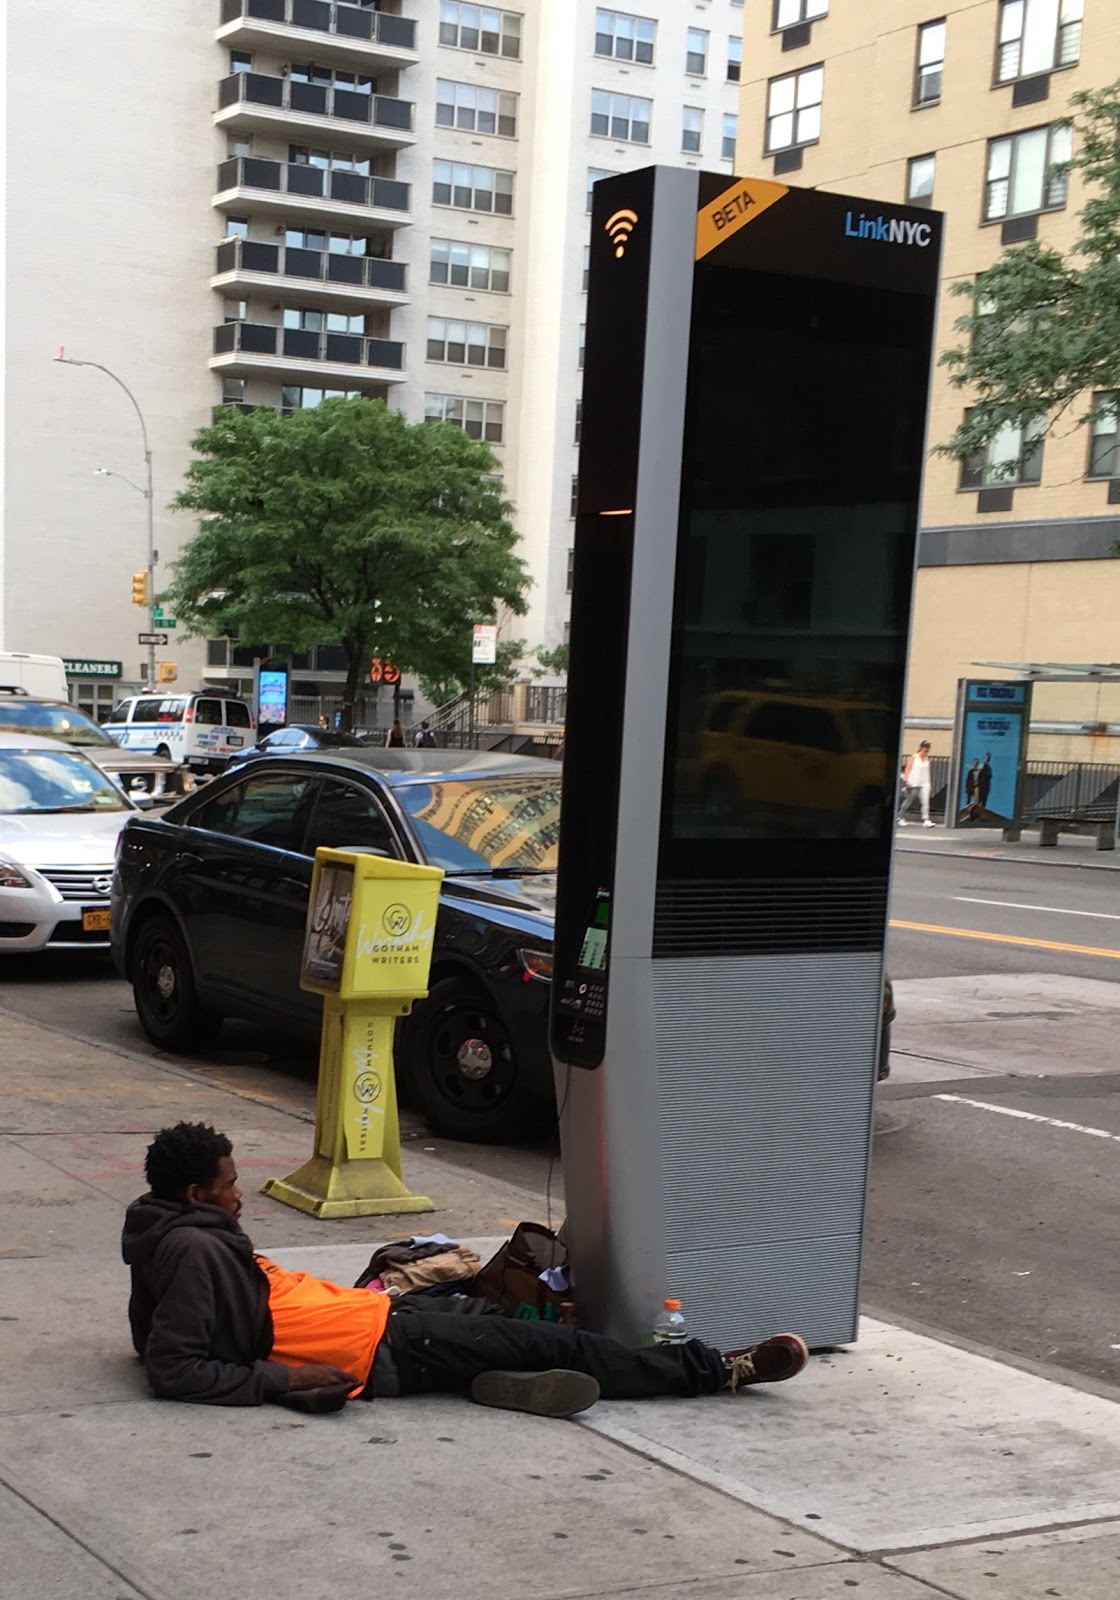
(91, 669)
(151, 638)
(484, 648)
(167, 622)
(157, 612)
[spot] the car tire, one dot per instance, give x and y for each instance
(460, 1068)
(163, 752)
(163, 989)
(884, 1068)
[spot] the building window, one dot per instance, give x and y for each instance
(692, 130)
(730, 134)
(296, 397)
(586, 266)
(331, 77)
(791, 13)
(240, 61)
(301, 155)
(571, 570)
(620, 116)
(920, 172)
(241, 146)
(582, 343)
(696, 53)
(734, 59)
(931, 63)
(1022, 178)
(1036, 36)
(469, 266)
(579, 421)
(466, 344)
(310, 319)
(464, 105)
(482, 28)
(237, 227)
(468, 188)
(233, 391)
(1013, 457)
(1104, 436)
(573, 496)
(233, 310)
(624, 37)
(481, 419)
(593, 176)
(793, 113)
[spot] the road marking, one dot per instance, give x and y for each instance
(1030, 1116)
(1007, 938)
(1017, 905)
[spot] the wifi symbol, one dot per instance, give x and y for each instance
(620, 226)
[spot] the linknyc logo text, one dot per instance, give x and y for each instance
(887, 230)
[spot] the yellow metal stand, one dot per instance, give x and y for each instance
(368, 949)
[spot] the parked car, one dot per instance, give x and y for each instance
(142, 777)
(211, 898)
(60, 817)
(298, 736)
(210, 902)
(200, 731)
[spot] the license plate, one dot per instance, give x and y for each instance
(96, 921)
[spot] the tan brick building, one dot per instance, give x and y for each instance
(952, 103)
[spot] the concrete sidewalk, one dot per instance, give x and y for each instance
(987, 844)
(901, 1469)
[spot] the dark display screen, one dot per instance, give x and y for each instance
(802, 465)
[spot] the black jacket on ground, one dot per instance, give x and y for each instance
(199, 1305)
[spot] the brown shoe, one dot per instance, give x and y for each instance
(775, 1359)
(555, 1393)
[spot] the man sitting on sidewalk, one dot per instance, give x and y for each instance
(218, 1324)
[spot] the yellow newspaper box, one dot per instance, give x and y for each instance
(368, 951)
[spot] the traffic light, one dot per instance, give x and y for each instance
(140, 589)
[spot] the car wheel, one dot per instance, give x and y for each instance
(884, 1051)
(720, 798)
(163, 752)
(460, 1066)
(164, 992)
(866, 821)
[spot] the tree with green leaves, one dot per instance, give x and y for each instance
(1044, 328)
(346, 525)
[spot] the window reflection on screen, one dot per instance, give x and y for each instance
(803, 453)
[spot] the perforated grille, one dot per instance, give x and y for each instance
(817, 914)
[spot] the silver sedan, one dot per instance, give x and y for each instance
(60, 819)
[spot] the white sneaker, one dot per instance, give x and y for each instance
(903, 824)
(928, 824)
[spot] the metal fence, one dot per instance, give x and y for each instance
(1059, 791)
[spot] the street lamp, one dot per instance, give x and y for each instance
(69, 361)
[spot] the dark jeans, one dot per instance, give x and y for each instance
(435, 1352)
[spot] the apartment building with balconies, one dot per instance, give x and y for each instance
(269, 202)
(959, 104)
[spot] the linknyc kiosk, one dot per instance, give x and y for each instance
(755, 390)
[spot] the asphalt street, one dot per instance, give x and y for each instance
(995, 1215)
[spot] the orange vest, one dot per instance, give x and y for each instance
(316, 1321)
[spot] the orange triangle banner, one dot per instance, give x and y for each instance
(739, 204)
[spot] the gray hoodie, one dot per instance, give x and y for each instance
(199, 1305)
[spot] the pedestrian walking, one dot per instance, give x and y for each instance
(394, 739)
(916, 779)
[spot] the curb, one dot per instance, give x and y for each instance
(999, 855)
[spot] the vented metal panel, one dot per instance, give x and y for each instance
(764, 1104)
(818, 914)
(737, 1297)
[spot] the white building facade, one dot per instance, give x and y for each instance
(264, 202)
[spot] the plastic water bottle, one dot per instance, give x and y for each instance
(669, 1327)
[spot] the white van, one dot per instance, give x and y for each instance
(42, 677)
(200, 730)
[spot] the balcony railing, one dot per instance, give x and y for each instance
(300, 344)
(291, 261)
(289, 177)
(316, 99)
(347, 21)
